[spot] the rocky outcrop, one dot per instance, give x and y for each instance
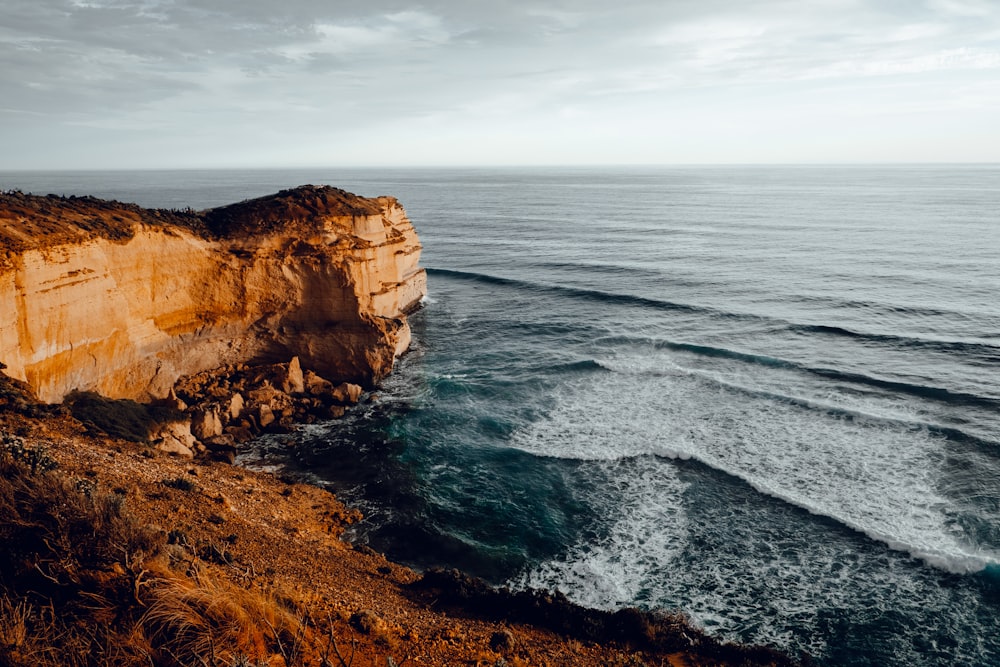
(113, 298)
(230, 405)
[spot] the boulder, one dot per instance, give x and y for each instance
(222, 448)
(316, 385)
(174, 437)
(239, 433)
(367, 622)
(265, 416)
(236, 404)
(502, 641)
(263, 394)
(224, 441)
(294, 380)
(206, 423)
(347, 393)
(281, 402)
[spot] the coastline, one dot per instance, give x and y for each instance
(128, 536)
(240, 530)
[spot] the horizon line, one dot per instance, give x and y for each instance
(555, 165)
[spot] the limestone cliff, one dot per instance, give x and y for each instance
(114, 298)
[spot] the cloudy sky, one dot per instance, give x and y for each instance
(273, 83)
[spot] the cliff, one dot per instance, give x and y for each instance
(113, 298)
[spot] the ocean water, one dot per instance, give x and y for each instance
(767, 397)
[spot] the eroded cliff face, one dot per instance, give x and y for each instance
(109, 297)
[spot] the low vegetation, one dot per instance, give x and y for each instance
(83, 583)
(117, 418)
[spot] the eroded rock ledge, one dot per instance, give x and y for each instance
(120, 300)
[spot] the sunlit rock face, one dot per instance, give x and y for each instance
(113, 298)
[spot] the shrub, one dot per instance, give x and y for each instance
(36, 458)
(123, 418)
(181, 484)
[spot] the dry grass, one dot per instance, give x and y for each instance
(13, 623)
(83, 583)
(208, 621)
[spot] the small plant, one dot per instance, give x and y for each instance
(36, 458)
(86, 487)
(13, 622)
(180, 483)
(213, 552)
(178, 536)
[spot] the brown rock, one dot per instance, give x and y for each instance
(316, 385)
(239, 433)
(224, 441)
(502, 641)
(224, 456)
(367, 622)
(294, 380)
(172, 402)
(263, 394)
(206, 423)
(235, 407)
(281, 402)
(174, 437)
(265, 416)
(218, 392)
(347, 393)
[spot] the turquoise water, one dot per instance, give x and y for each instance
(765, 396)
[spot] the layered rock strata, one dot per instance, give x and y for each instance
(113, 298)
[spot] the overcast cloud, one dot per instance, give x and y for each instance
(201, 83)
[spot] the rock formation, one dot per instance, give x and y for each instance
(113, 298)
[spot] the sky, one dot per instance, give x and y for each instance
(136, 84)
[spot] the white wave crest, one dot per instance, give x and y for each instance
(880, 477)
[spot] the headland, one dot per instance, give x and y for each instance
(140, 348)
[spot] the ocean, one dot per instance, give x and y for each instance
(766, 397)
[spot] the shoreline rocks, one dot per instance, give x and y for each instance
(230, 405)
(211, 413)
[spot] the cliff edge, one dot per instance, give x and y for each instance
(109, 297)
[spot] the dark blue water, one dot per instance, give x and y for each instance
(765, 396)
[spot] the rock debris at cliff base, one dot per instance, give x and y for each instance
(210, 414)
